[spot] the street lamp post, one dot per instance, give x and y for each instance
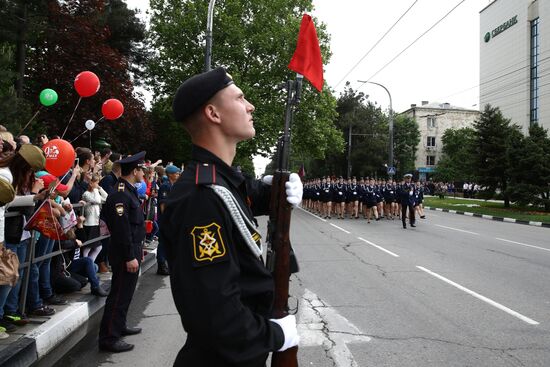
(390, 154)
(209, 23)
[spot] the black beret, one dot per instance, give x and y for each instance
(135, 160)
(197, 90)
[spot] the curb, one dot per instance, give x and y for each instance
(36, 344)
(490, 217)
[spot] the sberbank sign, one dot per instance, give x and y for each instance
(501, 28)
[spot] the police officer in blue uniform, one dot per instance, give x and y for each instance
(220, 285)
(124, 217)
(407, 193)
(173, 174)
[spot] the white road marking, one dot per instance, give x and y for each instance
(378, 247)
(523, 244)
(456, 229)
(342, 229)
(483, 298)
(305, 211)
(321, 325)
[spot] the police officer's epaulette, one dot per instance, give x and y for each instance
(121, 186)
(205, 174)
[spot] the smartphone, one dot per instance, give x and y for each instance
(76, 161)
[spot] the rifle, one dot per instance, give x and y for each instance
(279, 252)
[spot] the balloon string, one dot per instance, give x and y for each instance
(84, 132)
(71, 119)
(27, 125)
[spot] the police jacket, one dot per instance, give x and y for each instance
(123, 215)
(407, 194)
(223, 292)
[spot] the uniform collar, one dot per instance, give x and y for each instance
(202, 155)
(129, 186)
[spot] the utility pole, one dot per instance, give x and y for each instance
(209, 23)
(390, 153)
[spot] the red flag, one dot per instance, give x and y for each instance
(46, 223)
(307, 57)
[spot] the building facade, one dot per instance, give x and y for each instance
(433, 120)
(515, 60)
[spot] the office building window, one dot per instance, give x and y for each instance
(430, 160)
(431, 122)
(431, 141)
(535, 49)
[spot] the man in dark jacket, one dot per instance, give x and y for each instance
(221, 288)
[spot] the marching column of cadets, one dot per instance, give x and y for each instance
(365, 198)
(24, 186)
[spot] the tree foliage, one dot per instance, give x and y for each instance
(254, 40)
(73, 36)
(405, 140)
(494, 134)
(456, 161)
(529, 169)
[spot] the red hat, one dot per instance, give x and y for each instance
(49, 178)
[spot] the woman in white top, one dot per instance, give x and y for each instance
(94, 197)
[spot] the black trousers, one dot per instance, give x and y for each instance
(404, 213)
(123, 285)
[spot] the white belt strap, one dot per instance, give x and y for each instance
(239, 218)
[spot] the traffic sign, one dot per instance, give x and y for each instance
(391, 171)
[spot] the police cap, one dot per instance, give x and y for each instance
(133, 161)
(197, 90)
(407, 175)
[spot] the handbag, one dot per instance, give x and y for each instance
(9, 267)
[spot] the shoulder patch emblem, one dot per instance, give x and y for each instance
(208, 245)
(121, 186)
(119, 209)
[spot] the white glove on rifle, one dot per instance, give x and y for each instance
(288, 324)
(294, 188)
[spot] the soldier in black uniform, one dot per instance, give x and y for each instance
(407, 199)
(221, 287)
(124, 217)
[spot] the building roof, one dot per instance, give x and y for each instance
(439, 106)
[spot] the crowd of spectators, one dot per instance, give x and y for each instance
(75, 200)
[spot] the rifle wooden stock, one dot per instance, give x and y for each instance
(280, 245)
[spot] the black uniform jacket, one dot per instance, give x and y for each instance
(124, 217)
(222, 291)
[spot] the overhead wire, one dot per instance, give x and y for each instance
(417, 39)
(376, 44)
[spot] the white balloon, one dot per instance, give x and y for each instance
(90, 124)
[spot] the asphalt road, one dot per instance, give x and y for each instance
(455, 291)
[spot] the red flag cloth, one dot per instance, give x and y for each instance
(46, 223)
(307, 57)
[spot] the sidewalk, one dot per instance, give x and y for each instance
(491, 217)
(45, 340)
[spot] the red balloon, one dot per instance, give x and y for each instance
(112, 109)
(60, 156)
(86, 84)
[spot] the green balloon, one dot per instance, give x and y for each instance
(48, 97)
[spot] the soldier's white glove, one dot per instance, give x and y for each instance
(288, 324)
(267, 179)
(294, 189)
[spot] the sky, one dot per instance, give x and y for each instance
(442, 66)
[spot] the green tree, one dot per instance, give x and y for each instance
(456, 161)
(79, 39)
(493, 135)
(254, 40)
(406, 138)
(529, 169)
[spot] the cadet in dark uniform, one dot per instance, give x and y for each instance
(124, 217)
(221, 287)
(407, 199)
(173, 174)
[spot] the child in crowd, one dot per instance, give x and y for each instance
(93, 197)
